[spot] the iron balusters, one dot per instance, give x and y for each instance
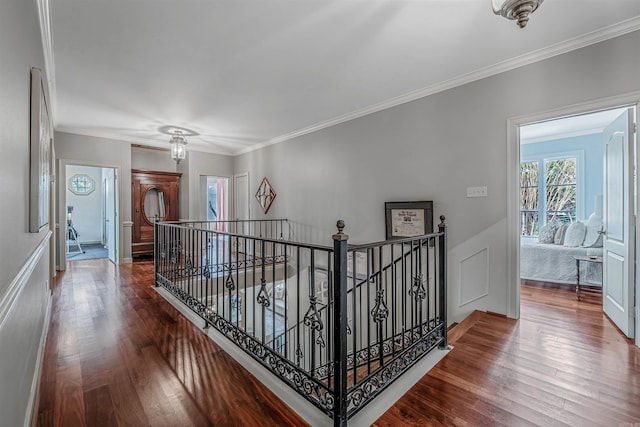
(337, 324)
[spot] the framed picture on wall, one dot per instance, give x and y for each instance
(265, 195)
(408, 219)
(40, 149)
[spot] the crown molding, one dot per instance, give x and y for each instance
(44, 16)
(141, 147)
(575, 43)
(136, 141)
(594, 37)
(114, 136)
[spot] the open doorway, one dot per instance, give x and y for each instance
(90, 206)
(577, 203)
(214, 198)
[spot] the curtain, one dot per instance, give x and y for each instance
(221, 202)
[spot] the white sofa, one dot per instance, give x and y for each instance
(552, 260)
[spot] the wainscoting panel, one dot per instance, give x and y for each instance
(24, 311)
(474, 277)
(477, 274)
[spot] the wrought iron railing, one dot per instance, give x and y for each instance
(338, 346)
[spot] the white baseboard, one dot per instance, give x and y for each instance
(389, 396)
(90, 242)
(127, 260)
(300, 405)
(32, 415)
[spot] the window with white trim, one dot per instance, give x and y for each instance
(555, 179)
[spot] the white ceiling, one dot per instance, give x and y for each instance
(566, 127)
(247, 73)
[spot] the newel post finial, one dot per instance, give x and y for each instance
(442, 224)
(340, 235)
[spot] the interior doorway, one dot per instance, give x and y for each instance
(214, 198)
(89, 200)
(577, 205)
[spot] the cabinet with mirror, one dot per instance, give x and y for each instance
(154, 197)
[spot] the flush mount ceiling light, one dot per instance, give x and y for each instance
(178, 146)
(518, 10)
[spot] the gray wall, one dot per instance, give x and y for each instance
(92, 151)
(88, 150)
(433, 149)
(87, 209)
(152, 159)
(24, 256)
(193, 167)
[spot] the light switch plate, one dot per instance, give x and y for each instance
(477, 191)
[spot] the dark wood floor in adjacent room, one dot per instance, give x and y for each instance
(118, 354)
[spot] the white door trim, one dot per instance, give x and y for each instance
(62, 206)
(513, 193)
(235, 194)
(198, 175)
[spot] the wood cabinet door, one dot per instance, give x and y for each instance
(155, 197)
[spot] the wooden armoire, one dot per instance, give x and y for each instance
(154, 197)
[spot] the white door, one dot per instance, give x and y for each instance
(242, 210)
(241, 190)
(111, 221)
(619, 224)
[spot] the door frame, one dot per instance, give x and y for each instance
(62, 207)
(513, 190)
(107, 218)
(235, 194)
(199, 189)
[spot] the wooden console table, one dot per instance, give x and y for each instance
(587, 259)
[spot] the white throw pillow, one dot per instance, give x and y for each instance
(575, 234)
(593, 237)
(548, 232)
(559, 237)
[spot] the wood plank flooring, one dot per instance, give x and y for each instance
(118, 354)
(562, 363)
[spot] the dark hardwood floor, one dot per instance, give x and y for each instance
(562, 363)
(118, 354)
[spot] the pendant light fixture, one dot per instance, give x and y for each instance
(178, 146)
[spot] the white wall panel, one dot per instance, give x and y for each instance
(474, 277)
(477, 273)
(24, 316)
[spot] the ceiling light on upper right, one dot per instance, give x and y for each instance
(518, 10)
